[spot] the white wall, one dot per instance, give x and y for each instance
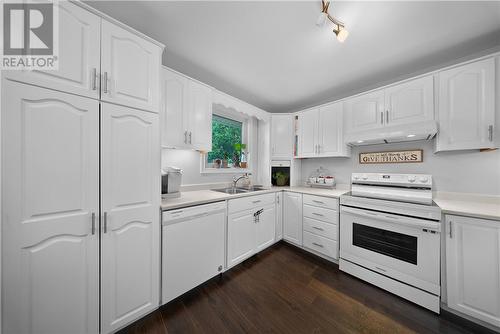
(465, 171)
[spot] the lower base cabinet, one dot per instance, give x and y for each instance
(292, 218)
(251, 230)
(473, 267)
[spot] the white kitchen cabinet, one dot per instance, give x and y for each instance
(266, 228)
(187, 112)
(321, 132)
(364, 112)
(410, 102)
(193, 245)
(292, 217)
(130, 200)
(467, 107)
(251, 225)
(50, 166)
(79, 55)
(279, 216)
(330, 132)
(308, 129)
(200, 116)
(281, 136)
(130, 73)
(473, 267)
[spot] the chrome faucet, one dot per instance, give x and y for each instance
(237, 178)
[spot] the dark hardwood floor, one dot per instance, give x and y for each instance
(286, 290)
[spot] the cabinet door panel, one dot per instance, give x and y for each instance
(281, 136)
(279, 216)
(467, 106)
(308, 132)
(174, 111)
(50, 171)
(330, 137)
(130, 199)
(410, 102)
(132, 66)
(292, 217)
(241, 237)
(266, 228)
(365, 112)
(79, 54)
(473, 267)
(200, 117)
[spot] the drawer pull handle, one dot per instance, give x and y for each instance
(318, 228)
(319, 245)
(319, 202)
(317, 214)
(380, 269)
(255, 202)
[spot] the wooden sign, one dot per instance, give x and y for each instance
(392, 157)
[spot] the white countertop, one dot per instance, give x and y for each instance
(197, 197)
(472, 205)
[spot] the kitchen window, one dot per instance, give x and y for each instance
(229, 145)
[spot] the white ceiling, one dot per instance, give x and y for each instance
(272, 55)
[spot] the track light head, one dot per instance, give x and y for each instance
(341, 33)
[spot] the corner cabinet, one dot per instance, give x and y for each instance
(320, 132)
(467, 107)
(186, 112)
(281, 136)
(473, 267)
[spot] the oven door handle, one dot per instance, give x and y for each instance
(407, 221)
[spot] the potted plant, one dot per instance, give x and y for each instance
(217, 163)
(239, 149)
(281, 178)
(225, 157)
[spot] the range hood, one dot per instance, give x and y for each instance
(393, 134)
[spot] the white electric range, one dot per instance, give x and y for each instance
(390, 235)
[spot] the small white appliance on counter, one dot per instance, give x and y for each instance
(390, 235)
(171, 178)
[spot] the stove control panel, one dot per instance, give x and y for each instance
(388, 179)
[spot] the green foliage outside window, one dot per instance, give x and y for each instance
(225, 133)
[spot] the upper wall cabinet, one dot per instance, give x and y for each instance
(187, 112)
(406, 103)
(410, 102)
(467, 107)
(365, 112)
(281, 136)
(79, 55)
(320, 132)
(130, 68)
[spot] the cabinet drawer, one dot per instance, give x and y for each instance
(321, 228)
(323, 202)
(246, 203)
(320, 244)
(325, 215)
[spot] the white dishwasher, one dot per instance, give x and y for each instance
(192, 247)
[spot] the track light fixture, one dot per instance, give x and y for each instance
(339, 29)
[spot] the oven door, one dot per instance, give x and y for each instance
(403, 248)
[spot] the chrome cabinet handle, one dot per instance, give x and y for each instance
(277, 200)
(317, 214)
(451, 235)
(105, 222)
(378, 268)
(319, 202)
(93, 223)
(94, 78)
(105, 79)
(255, 202)
(319, 245)
(185, 137)
(490, 133)
(381, 117)
(190, 137)
(387, 117)
(318, 228)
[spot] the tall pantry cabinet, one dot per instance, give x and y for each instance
(81, 182)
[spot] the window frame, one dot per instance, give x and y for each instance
(205, 167)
